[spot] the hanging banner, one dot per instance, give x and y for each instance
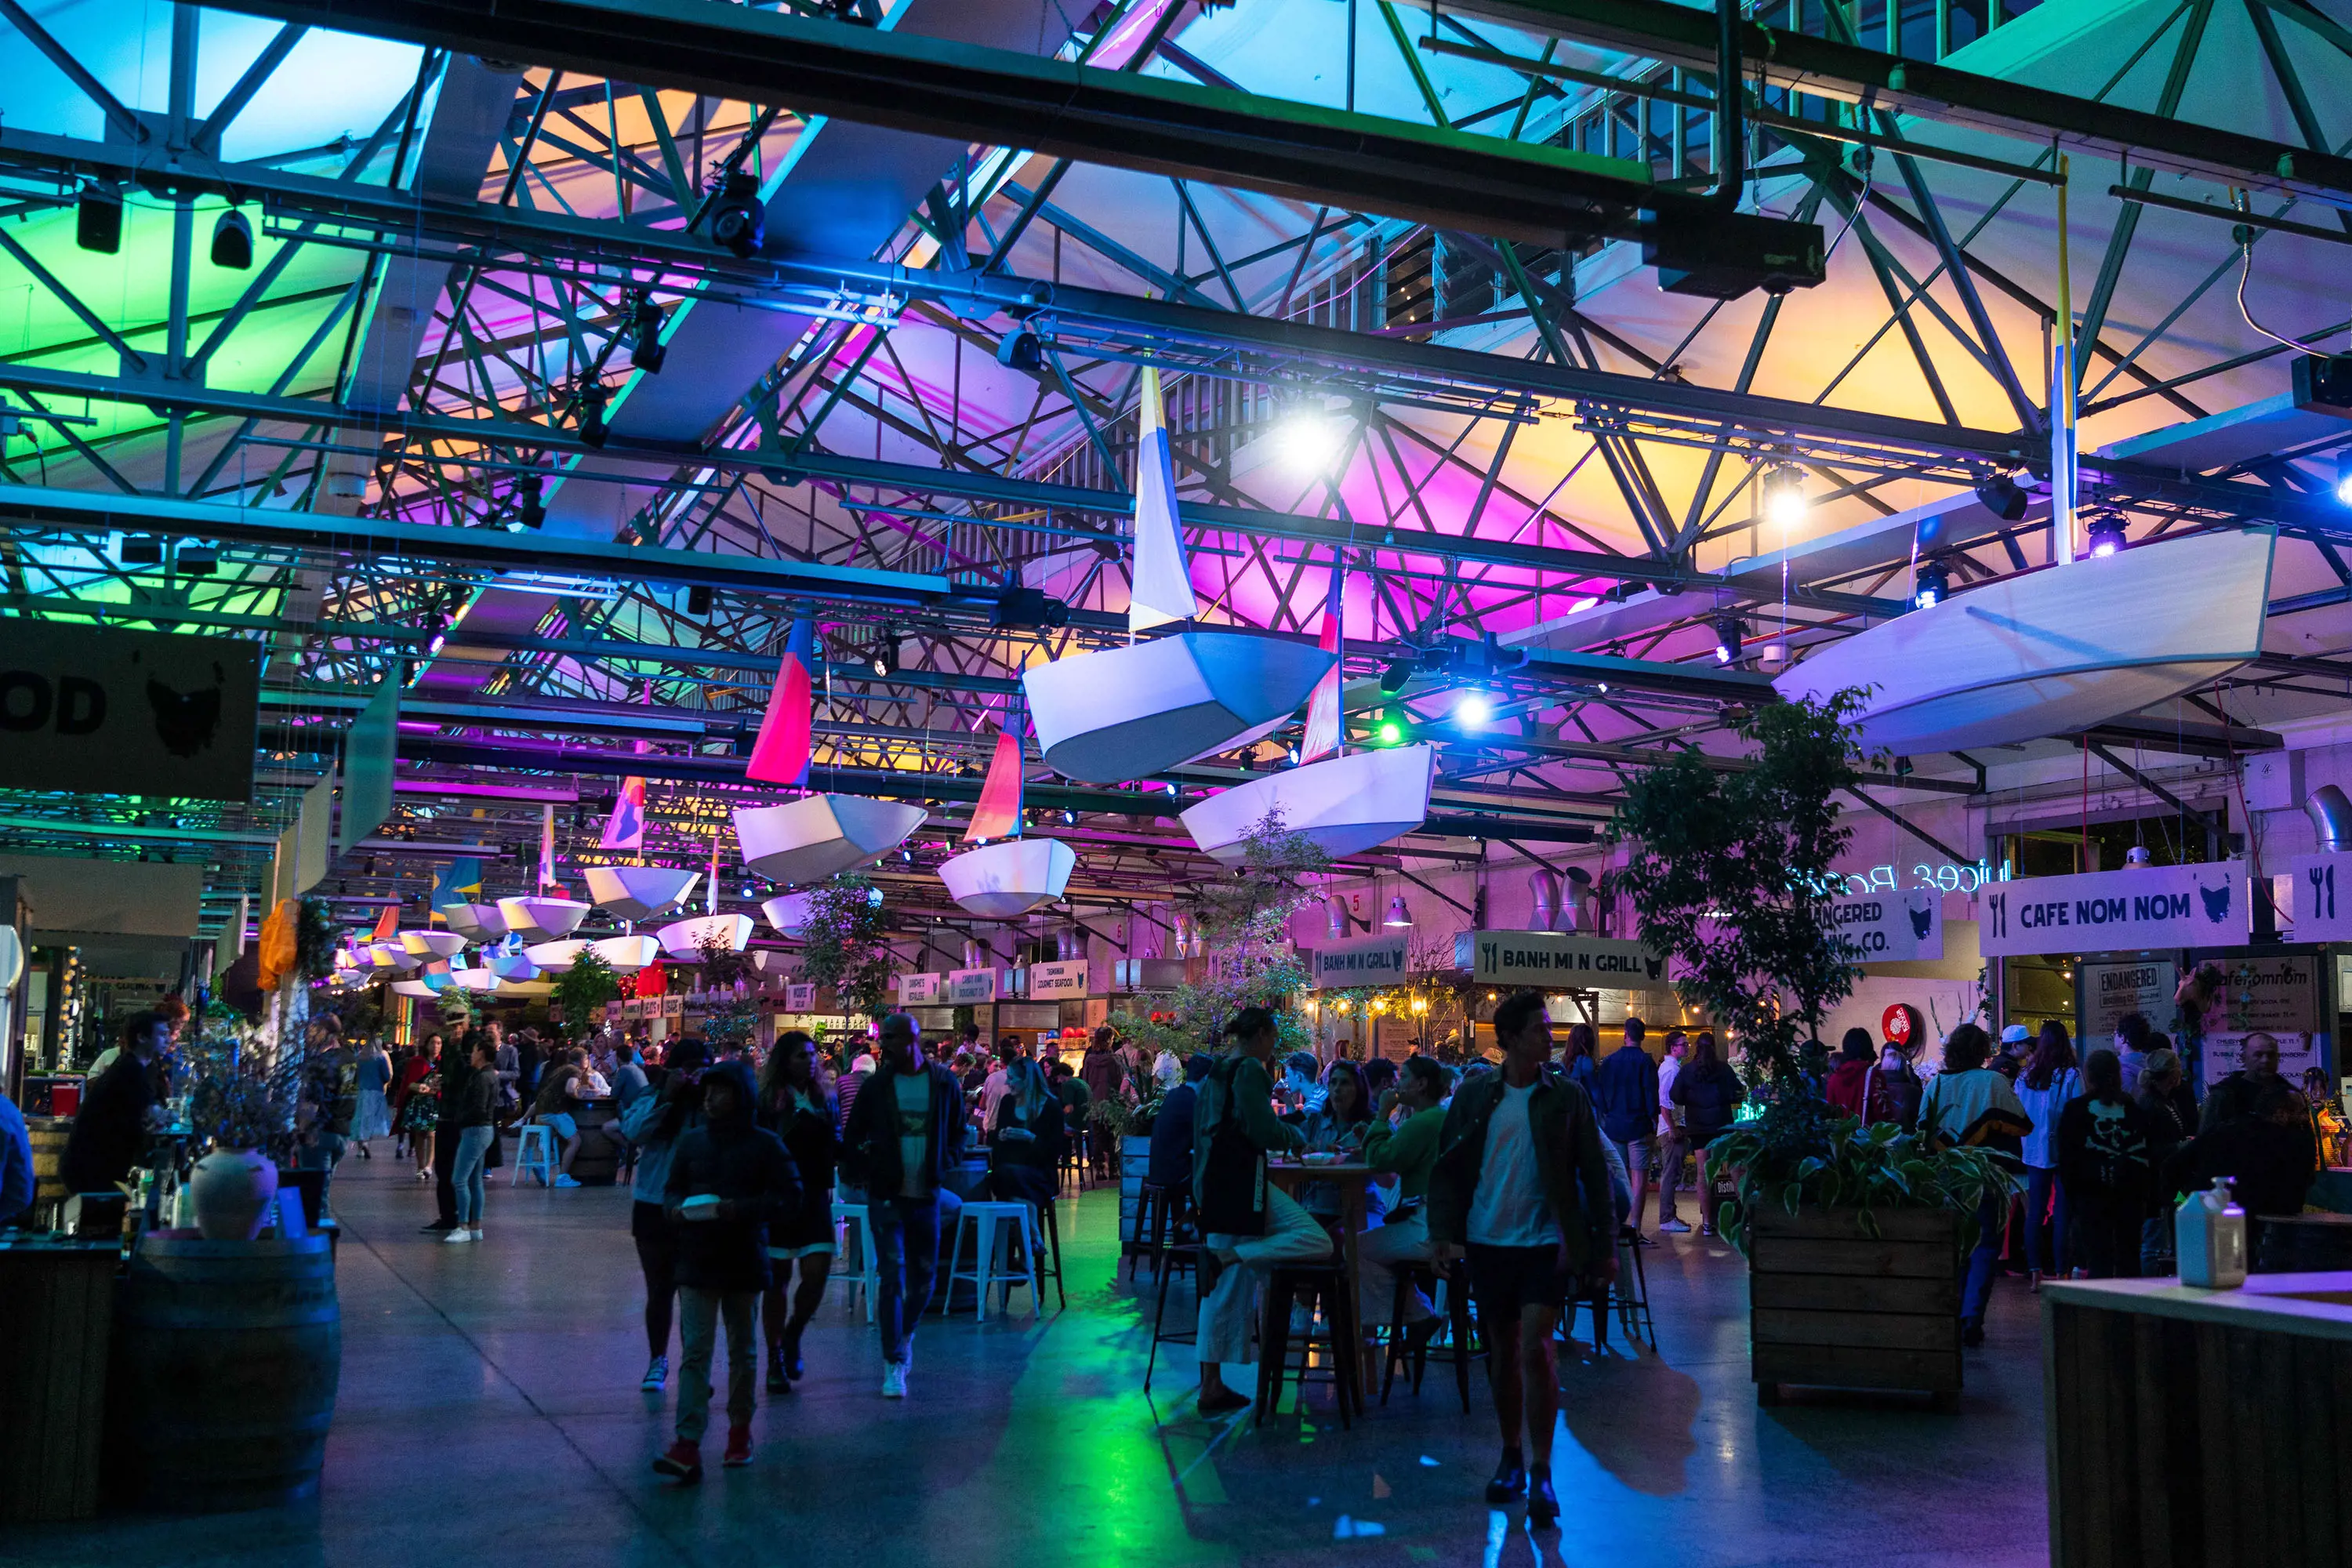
(105, 711)
(1051, 982)
(1888, 928)
(919, 990)
(368, 751)
(967, 986)
(2323, 897)
(1556, 958)
(1360, 961)
(2142, 907)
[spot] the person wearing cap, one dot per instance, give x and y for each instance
(653, 1124)
(728, 1180)
(2016, 1045)
(1248, 1225)
(905, 1135)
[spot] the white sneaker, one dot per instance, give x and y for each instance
(476, 1235)
(451, 1238)
(894, 1379)
(656, 1376)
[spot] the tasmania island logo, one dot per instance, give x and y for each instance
(185, 722)
(2217, 902)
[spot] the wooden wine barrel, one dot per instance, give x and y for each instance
(599, 1159)
(226, 1358)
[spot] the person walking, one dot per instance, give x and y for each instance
(729, 1180)
(1971, 1105)
(1848, 1087)
(372, 1117)
(905, 1132)
(1248, 1225)
(1624, 1091)
(1674, 1146)
(418, 1104)
(1403, 1143)
(653, 1125)
(794, 1106)
(1709, 1091)
(2169, 1123)
(2050, 1082)
(476, 1122)
(2103, 1165)
(1522, 1192)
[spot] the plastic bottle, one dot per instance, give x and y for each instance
(2209, 1238)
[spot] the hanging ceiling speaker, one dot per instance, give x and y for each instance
(233, 241)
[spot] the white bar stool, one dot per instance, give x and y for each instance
(534, 1150)
(986, 1222)
(865, 1277)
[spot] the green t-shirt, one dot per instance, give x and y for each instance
(914, 1093)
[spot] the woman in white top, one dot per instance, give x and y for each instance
(2049, 1081)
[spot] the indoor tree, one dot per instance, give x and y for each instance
(846, 944)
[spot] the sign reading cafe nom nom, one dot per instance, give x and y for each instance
(2142, 907)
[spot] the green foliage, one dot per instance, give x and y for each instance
(455, 1007)
(1251, 910)
(235, 1100)
(1730, 873)
(315, 935)
(720, 964)
(583, 990)
(1801, 1152)
(847, 945)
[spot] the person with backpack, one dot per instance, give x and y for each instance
(2102, 1163)
(1248, 1225)
(1971, 1105)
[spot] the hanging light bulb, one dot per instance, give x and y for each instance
(1397, 914)
(1782, 495)
(1472, 710)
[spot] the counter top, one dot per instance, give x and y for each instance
(2314, 1306)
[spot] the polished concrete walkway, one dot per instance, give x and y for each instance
(489, 1415)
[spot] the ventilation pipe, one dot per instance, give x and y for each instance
(1545, 888)
(2331, 818)
(1336, 912)
(1730, 123)
(1580, 912)
(976, 953)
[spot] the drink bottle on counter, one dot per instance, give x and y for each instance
(2209, 1234)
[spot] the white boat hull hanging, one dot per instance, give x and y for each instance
(2049, 652)
(627, 954)
(1128, 712)
(1346, 805)
(998, 881)
(551, 918)
(683, 940)
(787, 913)
(818, 835)
(637, 893)
(476, 922)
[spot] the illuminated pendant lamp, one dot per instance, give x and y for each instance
(1346, 805)
(1127, 712)
(2052, 652)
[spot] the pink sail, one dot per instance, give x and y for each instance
(998, 814)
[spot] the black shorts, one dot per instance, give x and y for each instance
(1506, 1280)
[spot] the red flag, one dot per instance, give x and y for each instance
(386, 926)
(998, 814)
(1324, 727)
(780, 755)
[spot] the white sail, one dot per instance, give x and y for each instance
(1162, 590)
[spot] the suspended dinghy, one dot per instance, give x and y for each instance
(638, 892)
(433, 944)
(476, 922)
(683, 940)
(511, 968)
(1128, 712)
(554, 957)
(998, 881)
(809, 839)
(1346, 805)
(416, 988)
(475, 979)
(787, 913)
(2049, 652)
(549, 918)
(628, 954)
(391, 955)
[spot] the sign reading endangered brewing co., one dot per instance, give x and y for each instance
(1556, 958)
(121, 712)
(1887, 928)
(1360, 961)
(2101, 911)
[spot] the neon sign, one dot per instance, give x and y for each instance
(1941, 876)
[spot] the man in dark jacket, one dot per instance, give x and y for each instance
(1171, 1129)
(456, 1066)
(1521, 1187)
(2236, 1096)
(727, 1178)
(1625, 1095)
(110, 1131)
(904, 1133)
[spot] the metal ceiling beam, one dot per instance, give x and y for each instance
(1682, 36)
(1182, 130)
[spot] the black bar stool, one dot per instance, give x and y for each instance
(1332, 1328)
(1049, 1253)
(1633, 1291)
(1179, 1258)
(1460, 1335)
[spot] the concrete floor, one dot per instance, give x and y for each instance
(489, 1413)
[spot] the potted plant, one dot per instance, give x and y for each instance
(244, 1115)
(1855, 1239)
(581, 991)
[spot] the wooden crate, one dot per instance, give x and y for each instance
(1832, 1304)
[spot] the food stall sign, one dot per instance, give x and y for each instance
(1556, 958)
(967, 986)
(2140, 907)
(801, 999)
(1360, 961)
(916, 990)
(1884, 928)
(2322, 897)
(1065, 977)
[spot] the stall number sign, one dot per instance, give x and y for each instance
(967, 986)
(2146, 906)
(1555, 958)
(1884, 928)
(1360, 961)
(915, 990)
(1065, 977)
(2322, 899)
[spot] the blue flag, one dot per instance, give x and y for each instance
(459, 882)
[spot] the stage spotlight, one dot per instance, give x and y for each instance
(737, 219)
(1389, 730)
(592, 399)
(2344, 478)
(1310, 440)
(142, 550)
(98, 219)
(2003, 498)
(1398, 672)
(1020, 349)
(697, 600)
(646, 350)
(1782, 493)
(1728, 634)
(530, 505)
(199, 559)
(1932, 586)
(1472, 710)
(2105, 532)
(233, 241)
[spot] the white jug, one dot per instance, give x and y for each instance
(2209, 1238)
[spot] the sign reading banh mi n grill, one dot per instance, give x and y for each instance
(109, 712)
(1556, 958)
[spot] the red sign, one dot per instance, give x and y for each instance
(1895, 1024)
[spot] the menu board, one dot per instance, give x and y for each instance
(2269, 994)
(2111, 991)
(2225, 1054)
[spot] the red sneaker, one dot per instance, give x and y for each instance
(683, 1462)
(739, 1448)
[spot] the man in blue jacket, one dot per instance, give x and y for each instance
(1626, 1094)
(905, 1135)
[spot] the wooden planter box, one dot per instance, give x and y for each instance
(1831, 1304)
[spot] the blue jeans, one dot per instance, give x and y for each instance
(1979, 1289)
(465, 1175)
(2049, 1246)
(907, 1252)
